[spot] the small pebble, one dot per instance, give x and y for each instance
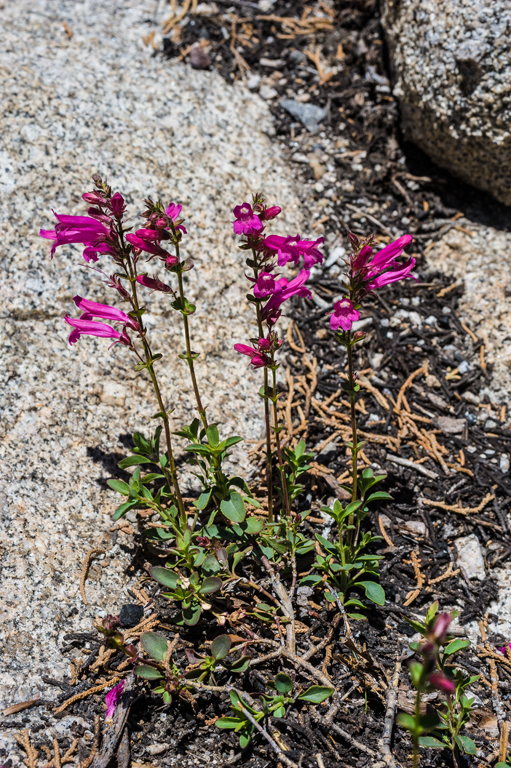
(504, 463)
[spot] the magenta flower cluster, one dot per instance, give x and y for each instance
(368, 271)
(270, 289)
(102, 232)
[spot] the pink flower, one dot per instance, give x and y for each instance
(173, 212)
(78, 229)
(292, 248)
(112, 699)
(246, 221)
(258, 358)
(284, 290)
(153, 283)
(502, 649)
(284, 247)
(369, 269)
(146, 244)
(442, 683)
(92, 309)
(344, 315)
(392, 276)
(89, 328)
(264, 286)
(310, 251)
(440, 626)
(117, 204)
(270, 213)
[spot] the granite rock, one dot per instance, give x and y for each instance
(73, 106)
(451, 63)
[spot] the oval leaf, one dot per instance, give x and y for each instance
(191, 615)
(221, 646)
(374, 591)
(467, 745)
(283, 683)
(148, 673)
(211, 584)
(233, 508)
(132, 461)
(431, 743)
(164, 576)
(120, 486)
(154, 645)
(316, 694)
(455, 646)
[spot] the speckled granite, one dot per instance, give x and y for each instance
(71, 107)
(452, 69)
(481, 261)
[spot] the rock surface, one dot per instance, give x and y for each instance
(479, 256)
(451, 61)
(470, 557)
(72, 106)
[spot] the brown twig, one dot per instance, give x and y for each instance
(390, 714)
(264, 733)
(95, 744)
(85, 569)
(23, 740)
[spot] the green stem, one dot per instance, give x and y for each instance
(189, 357)
(171, 474)
(353, 420)
(285, 498)
(269, 479)
(415, 734)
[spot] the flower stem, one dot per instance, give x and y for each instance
(285, 498)
(189, 356)
(170, 473)
(354, 438)
(269, 456)
(415, 736)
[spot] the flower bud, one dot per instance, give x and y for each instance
(442, 683)
(354, 239)
(271, 213)
(170, 262)
(440, 627)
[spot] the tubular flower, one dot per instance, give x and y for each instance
(371, 271)
(173, 211)
(89, 328)
(92, 309)
(264, 285)
(284, 247)
(144, 242)
(270, 213)
(246, 221)
(257, 358)
(78, 229)
(284, 289)
(442, 683)
(153, 283)
(310, 251)
(112, 699)
(343, 316)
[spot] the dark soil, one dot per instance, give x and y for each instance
(364, 163)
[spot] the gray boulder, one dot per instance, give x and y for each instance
(452, 76)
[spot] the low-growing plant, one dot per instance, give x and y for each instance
(436, 671)
(213, 546)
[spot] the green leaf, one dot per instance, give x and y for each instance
(192, 614)
(164, 576)
(252, 525)
(210, 585)
(241, 665)
(378, 495)
(154, 645)
(406, 721)
(283, 683)
(431, 743)
(228, 722)
(232, 441)
(316, 694)
(212, 435)
(221, 646)
(120, 486)
(233, 508)
(466, 745)
(167, 697)
(132, 461)
(374, 591)
(148, 673)
(210, 565)
(123, 508)
(203, 500)
(455, 646)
